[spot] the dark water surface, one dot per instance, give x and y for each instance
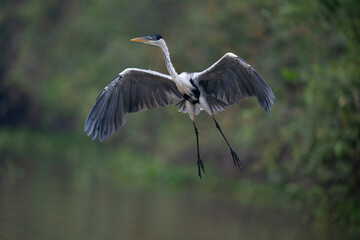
(47, 209)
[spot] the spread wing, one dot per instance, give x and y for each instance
(232, 79)
(132, 90)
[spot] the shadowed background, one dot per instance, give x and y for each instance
(302, 166)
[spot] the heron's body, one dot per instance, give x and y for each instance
(225, 83)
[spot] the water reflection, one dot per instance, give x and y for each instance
(48, 208)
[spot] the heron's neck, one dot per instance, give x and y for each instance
(168, 63)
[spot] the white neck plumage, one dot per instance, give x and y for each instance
(168, 63)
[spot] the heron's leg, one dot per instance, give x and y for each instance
(236, 159)
(199, 161)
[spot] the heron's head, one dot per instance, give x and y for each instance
(154, 39)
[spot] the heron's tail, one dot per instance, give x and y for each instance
(181, 106)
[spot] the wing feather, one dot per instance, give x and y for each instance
(232, 79)
(132, 90)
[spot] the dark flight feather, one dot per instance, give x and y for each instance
(132, 90)
(232, 79)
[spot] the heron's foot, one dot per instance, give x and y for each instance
(200, 167)
(236, 159)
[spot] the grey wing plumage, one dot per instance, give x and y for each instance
(232, 79)
(132, 90)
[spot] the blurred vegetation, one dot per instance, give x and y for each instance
(56, 56)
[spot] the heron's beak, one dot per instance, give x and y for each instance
(140, 39)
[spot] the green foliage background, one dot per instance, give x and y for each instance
(56, 56)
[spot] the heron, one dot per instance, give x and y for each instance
(225, 83)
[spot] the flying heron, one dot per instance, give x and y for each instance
(225, 83)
